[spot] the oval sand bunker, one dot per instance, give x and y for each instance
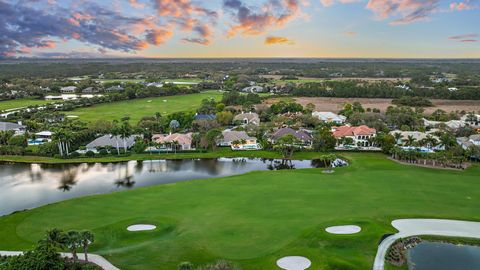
(294, 263)
(141, 227)
(346, 229)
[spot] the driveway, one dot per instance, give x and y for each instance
(414, 227)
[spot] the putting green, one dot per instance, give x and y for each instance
(257, 218)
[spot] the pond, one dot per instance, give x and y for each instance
(443, 256)
(25, 186)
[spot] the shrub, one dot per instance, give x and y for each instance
(89, 154)
(103, 152)
(185, 266)
(74, 154)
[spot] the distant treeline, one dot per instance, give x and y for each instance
(348, 89)
(317, 68)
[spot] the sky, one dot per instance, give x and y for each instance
(240, 28)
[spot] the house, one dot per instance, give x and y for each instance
(183, 141)
(18, 129)
(89, 90)
(238, 140)
(68, 89)
(329, 117)
(111, 141)
(473, 140)
(210, 117)
(41, 138)
(253, 89)
(115, 88)
(471, 120)
(301, 135)
(247, 118)
(416, 135)
(361, 135)
(452, 124)
(155, 84)
(452, 89)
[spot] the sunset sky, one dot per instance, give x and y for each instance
(240, 28)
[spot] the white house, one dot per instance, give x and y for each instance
(465, 142)
(68, 89)
(329, 117)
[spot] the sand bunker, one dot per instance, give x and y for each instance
(294, 263)
(141, 227)
(346, 229)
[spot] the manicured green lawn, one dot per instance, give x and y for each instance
(256, 218)
(19, 103)
(138, 108)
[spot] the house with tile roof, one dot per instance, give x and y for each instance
(247, 118)
(238, 140)
(361, 135)
(183, 141)
(304, 136)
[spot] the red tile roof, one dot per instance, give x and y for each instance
(353, 131)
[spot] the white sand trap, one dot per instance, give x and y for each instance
(141, 227)
(346, 229)
(294, 263)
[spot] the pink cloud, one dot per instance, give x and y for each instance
(406, 11)
(136, 4)
(328, 3)
(257, 20)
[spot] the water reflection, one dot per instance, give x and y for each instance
(443, 256)
(25, 186)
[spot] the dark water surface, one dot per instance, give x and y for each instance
(443, 256)
(24, 186)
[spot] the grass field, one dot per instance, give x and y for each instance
(19, 103)
(138, 108)
(256, 218)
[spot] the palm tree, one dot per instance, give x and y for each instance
(125, 132)
(410, 140)
(86, 239)
(73, 242)
(398, 137)
(115, 132)
(54, 238)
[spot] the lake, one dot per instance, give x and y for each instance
(25, 186)
(443, 256)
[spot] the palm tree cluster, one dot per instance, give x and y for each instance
(63, 138)
(71, 240)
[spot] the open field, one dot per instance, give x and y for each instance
(277, 79)
(256, 218)
(119, 80)
(138, 108)
(19, 103)
(336, 104)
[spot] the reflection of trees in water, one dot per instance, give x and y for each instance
(139, 166)
(35, 173)
(320, 163)
(281, 164)
(68, 179)
(125, 180)
(211, 166)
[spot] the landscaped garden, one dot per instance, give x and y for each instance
(254, 219)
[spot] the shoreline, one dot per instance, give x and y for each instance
(221, 153)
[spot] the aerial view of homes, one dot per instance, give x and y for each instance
(239, 135)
